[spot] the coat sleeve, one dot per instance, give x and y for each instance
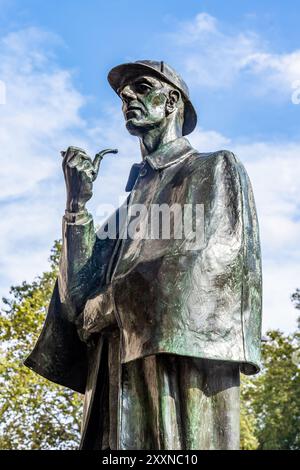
(59, 354)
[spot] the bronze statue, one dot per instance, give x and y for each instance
(153, 330)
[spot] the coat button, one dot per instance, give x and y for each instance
(143, 172)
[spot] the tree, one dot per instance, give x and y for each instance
(34, 413)
(296, 298)
(272, 399)
(270, 412)
(248, 421)
(296, 301)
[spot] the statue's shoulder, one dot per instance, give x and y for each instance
(221, 159)
(214, 158)
(220, 166)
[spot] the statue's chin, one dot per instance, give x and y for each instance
(134, 127)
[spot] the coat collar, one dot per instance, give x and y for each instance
(170, 153)
(167, 155)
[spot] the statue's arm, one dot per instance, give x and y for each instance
(84, 262)
(59, 354)
(75, 268)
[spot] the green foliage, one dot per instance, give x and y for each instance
(34, 413)
(296, 301)
(271, 401)
(248, 422)
(296, 298)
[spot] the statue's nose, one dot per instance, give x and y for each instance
(127, 93)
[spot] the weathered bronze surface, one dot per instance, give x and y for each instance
(153, 332)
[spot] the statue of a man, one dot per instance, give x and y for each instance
(155, 330)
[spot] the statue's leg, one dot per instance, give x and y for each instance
(223, 380)
(135, 429)
(173, 402)
(166, 409)
(209, 403)
(150, 415)
(114, 367)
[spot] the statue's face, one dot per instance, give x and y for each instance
(144, 104)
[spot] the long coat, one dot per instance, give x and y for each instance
(159, 295)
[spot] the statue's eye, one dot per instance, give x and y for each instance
(142, 87)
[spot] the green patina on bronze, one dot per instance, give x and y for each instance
(155, 334)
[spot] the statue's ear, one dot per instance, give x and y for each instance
(173, 98)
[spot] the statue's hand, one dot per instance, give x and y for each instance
(80, 172)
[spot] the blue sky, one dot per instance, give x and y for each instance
(241, 61)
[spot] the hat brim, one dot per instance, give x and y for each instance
(124, 73)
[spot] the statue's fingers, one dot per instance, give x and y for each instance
(86, 166)
(71, 150)
(77, 159)
(64, 154)
(73, 162)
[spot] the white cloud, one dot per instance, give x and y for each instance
(40, 117)
(203, 23)
(40, 114)
(274, 169)
(28, 229)
(216, 59)
(281, 278)
(209, 140)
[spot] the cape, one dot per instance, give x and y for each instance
(161, 295)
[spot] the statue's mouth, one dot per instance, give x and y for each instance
(133, 111)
